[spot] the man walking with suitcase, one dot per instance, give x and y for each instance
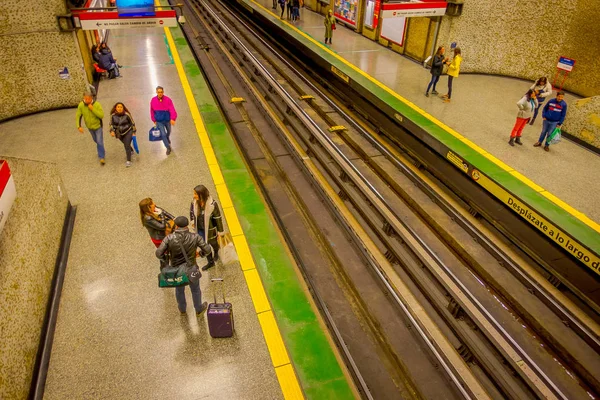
(174, 245)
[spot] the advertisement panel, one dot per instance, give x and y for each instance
(346, 11)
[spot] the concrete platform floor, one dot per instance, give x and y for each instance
(483, 109)
(118, 335)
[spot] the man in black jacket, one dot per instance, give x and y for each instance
(172, 245)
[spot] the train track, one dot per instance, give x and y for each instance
(396, 272)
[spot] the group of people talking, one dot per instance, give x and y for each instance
(196, 236)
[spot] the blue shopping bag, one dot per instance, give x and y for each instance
(135, 144)
(154, 134)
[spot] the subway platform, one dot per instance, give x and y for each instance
(118, 335)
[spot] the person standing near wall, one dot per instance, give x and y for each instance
(544, 89)
(163, 114)
(437, 65)
(329, 26)
(554, 115)
(282, 5)
(453, 71)
(526, 107)
(92, 114)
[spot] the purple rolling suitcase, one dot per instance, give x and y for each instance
(220, 316)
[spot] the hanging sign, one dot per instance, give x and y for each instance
(8, 193)
(423, 8)
(112, 20)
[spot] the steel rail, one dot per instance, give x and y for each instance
(386, 210)
(430, 344)
(590, 337)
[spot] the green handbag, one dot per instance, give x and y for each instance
(173, 276)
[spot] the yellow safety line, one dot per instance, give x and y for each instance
(279, 357)
(576, 213)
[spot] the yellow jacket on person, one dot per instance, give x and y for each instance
(454, 67)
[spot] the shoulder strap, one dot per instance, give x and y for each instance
(187, 260)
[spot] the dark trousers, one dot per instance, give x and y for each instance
(536, 112)
(126, 139)
(274, 4)
(434, 80)
(289, 10)
(450, 79)
(282, 9)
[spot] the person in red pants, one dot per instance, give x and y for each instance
(527, 106)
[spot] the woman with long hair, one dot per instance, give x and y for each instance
(157, 222)
(526, 105)
(437, 65)
(122, 127)
(205, 217)
(453, 71)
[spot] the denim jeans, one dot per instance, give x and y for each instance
(547, 129)
(196, 297)
(99, 140)
(434, 80)
(450, 79)
(165, 132)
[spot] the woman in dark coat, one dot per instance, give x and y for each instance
(158, 223)
(205, 217)
(122, 127)
(437, 65)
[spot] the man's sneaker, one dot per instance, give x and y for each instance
(203, 309)
(168, 150)
(546, 148)
(537, 144)
(102, 162)
(434, 92)
(208, 266)
(128, 164)
(518, 141)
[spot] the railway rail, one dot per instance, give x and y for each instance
(397, 273)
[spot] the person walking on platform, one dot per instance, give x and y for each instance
(92, 114)
(122, 127)
(175, 244)
(554, 114)
(437, 65)
(206, 221)
(329, 26)
(453, 71)
(282, 5)
(163, 114)
(288, 8)
(159, 223)
(526, 107)
(274, 4)
(544, 89)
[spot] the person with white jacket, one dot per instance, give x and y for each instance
(544, 89)
(526, 105)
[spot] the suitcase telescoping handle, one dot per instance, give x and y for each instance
(222, 288)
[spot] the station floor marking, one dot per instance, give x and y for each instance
(571, 210)
(284, 370)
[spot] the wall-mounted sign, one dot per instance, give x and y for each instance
(8, 193)
(423, 8)
(566, 64)
(372, 13)
(64, 73)
(346, 10)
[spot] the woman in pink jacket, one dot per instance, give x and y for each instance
(163, 114)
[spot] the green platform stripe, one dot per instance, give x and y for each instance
(553, 212)
(313, 358)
